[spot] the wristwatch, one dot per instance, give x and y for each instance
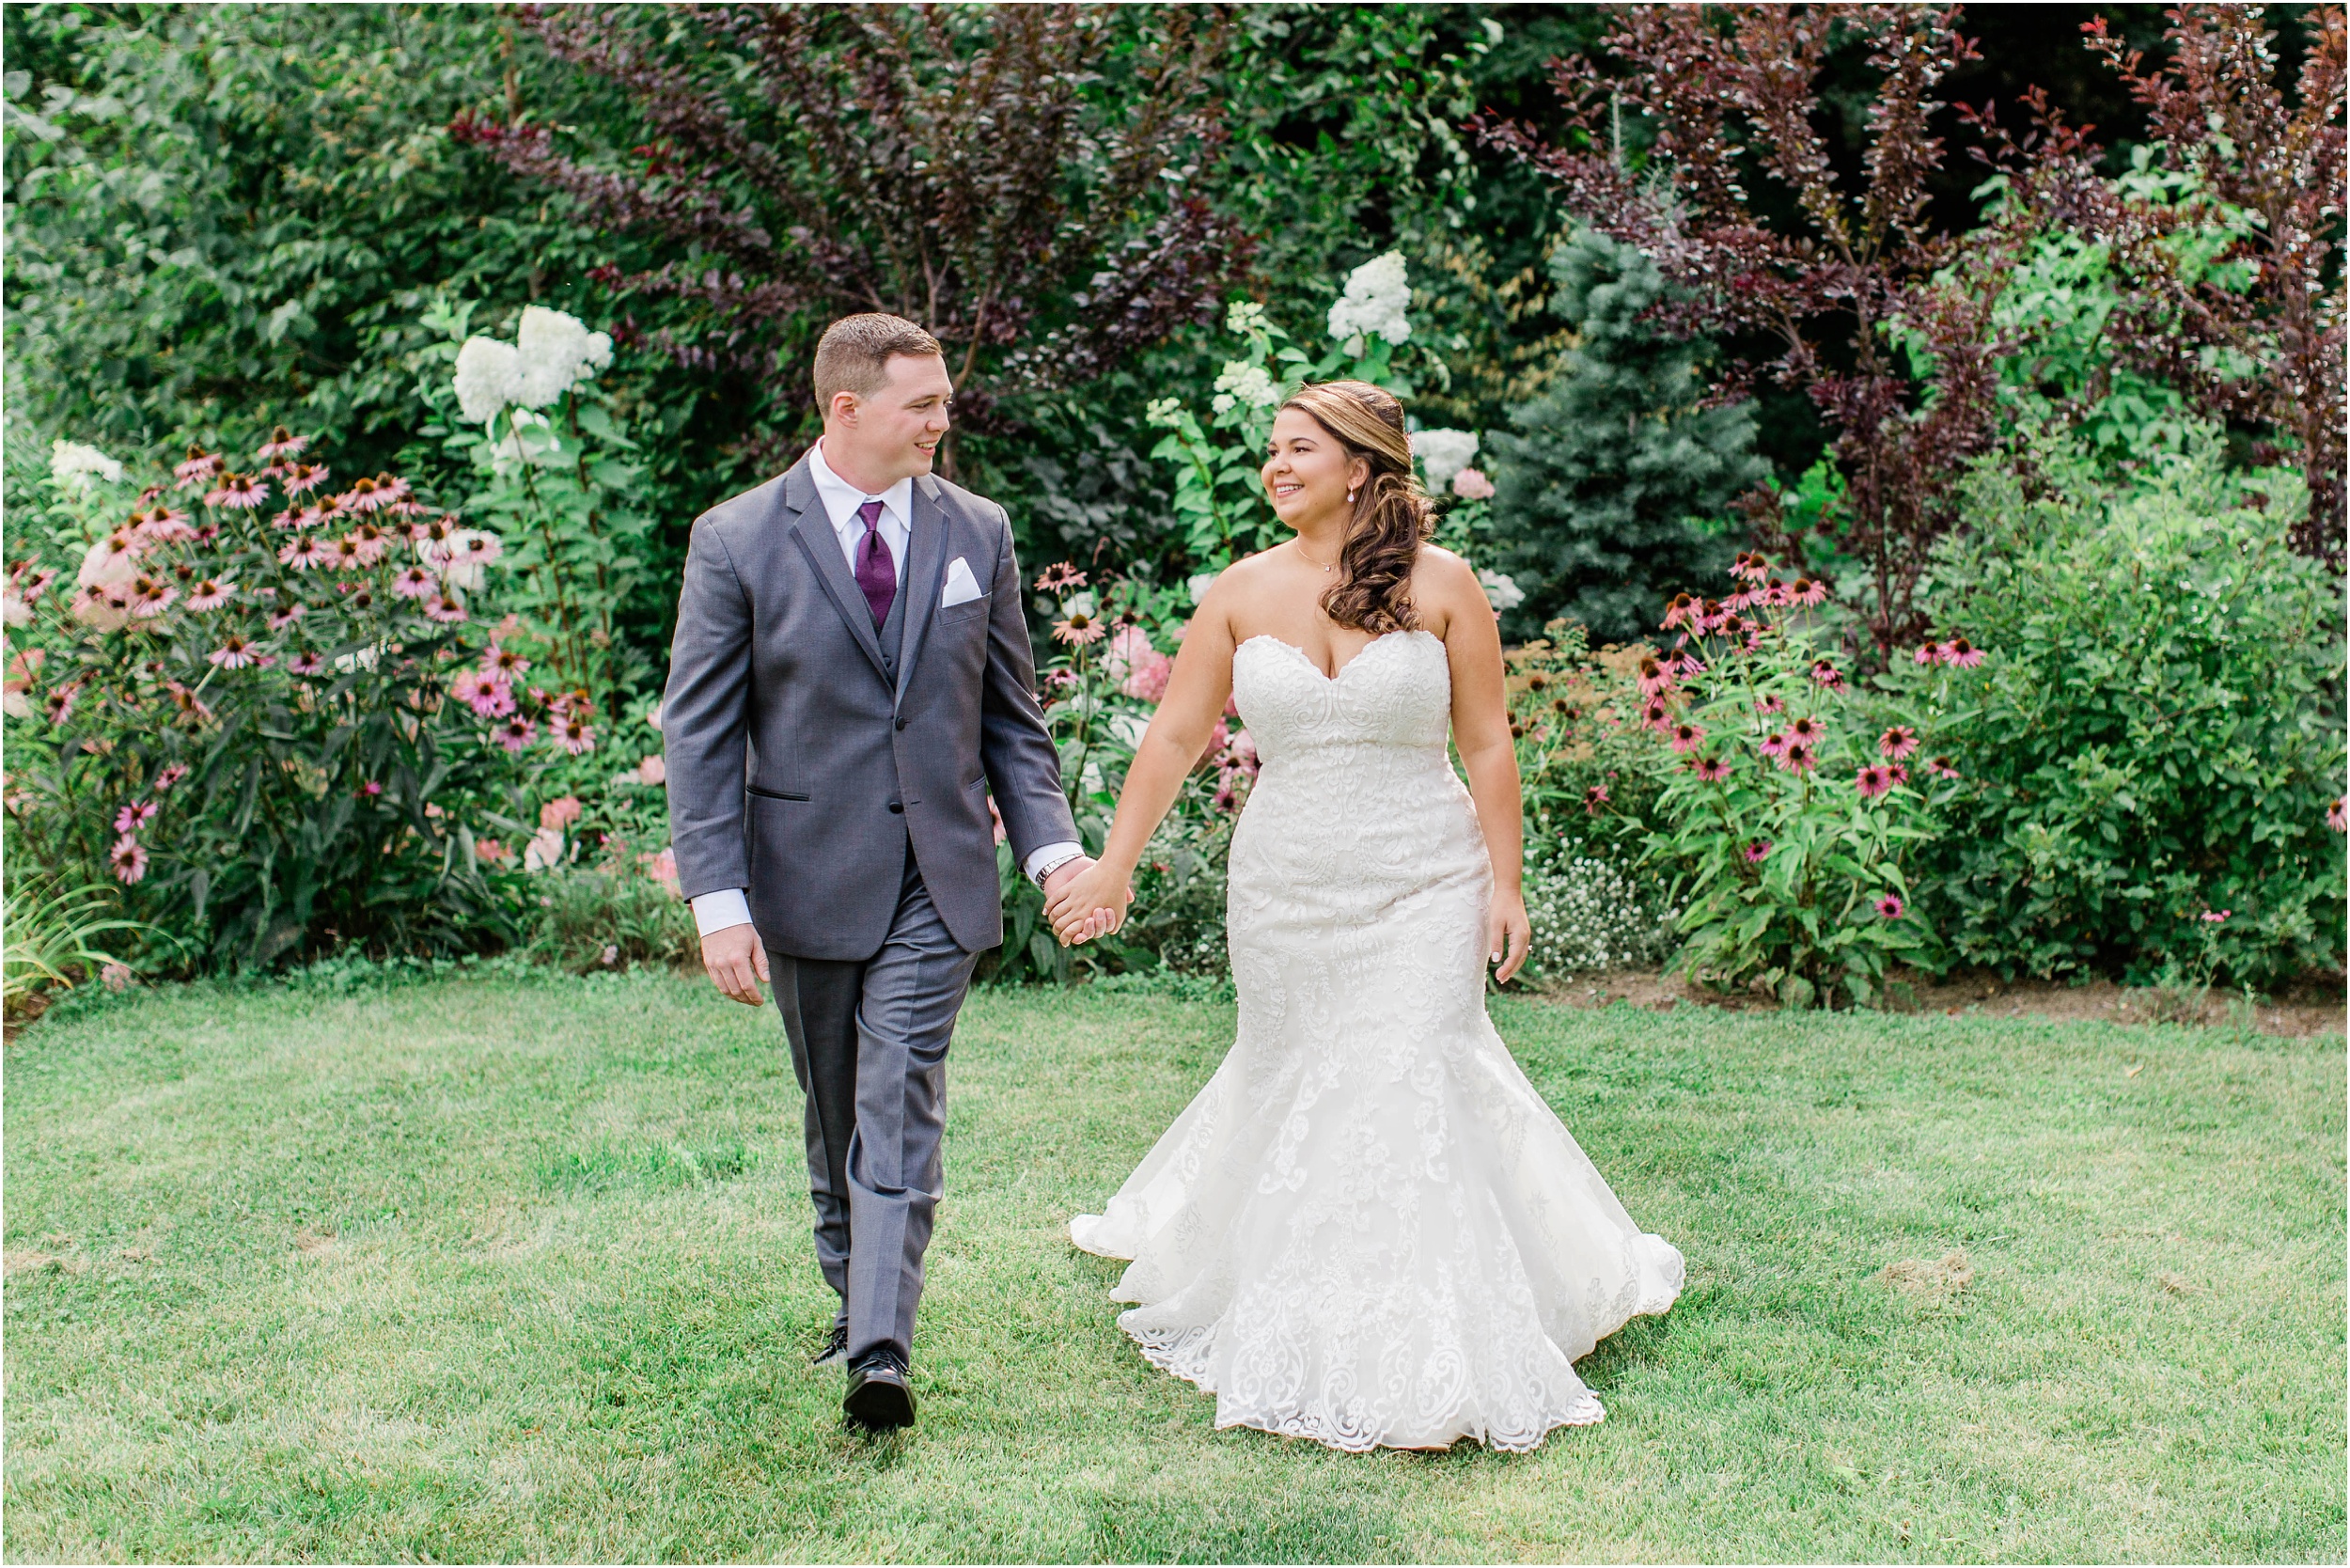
(1045, 872)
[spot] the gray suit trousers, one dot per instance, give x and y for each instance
(869, 1044)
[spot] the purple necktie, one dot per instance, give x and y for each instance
(876, 573)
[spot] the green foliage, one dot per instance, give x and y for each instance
(1611, 485)
(53, 934)
(610, 916)
(2160, 734)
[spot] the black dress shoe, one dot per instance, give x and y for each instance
(836, 1347)
(878, 1398)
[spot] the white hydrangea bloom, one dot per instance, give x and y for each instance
(1199, 583)
(1243, 383)
(558, 353)
(72, 464)
(1443, 453)
(1246, 315)
(1377, 303)
(1501, 590)
(489, 378)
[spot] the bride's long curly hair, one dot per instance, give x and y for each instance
(1392, 517)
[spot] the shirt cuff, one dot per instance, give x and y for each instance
(717, 911)
(1050, 859)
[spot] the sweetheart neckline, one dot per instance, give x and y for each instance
(1308, 659)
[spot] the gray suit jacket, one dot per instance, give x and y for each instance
(798, 771)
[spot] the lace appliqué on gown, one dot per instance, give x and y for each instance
(1367, 1229)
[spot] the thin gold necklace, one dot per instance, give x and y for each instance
(1332, 567)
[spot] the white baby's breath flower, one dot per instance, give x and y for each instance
(489, 378)
(73, 465)
(1443, 453)
(1501, 590)
(1377, 303)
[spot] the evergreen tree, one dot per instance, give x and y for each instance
(1606, 483)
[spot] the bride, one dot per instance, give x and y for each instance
(1367, 1229)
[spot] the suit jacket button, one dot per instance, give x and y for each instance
(897, 807)
(901, 721)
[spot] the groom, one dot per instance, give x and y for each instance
(849, 682)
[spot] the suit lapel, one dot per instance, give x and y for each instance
(926, 563)
(812, 530)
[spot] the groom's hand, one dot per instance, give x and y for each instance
(737, 961)
(1058, 879)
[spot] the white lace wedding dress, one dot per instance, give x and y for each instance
(1367, 1229)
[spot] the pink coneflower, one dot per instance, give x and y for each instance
(1060, 578)
(444, 609)
(1732, 625)
(574, 736)
(1965, 655)
(191, 707)
(303, 478)
(303, 552)
(516, 733)
(1682, 608)
(1871, 781)
(1898, 741)
(308, 661)
(1798, 757)
(1808, 590)
(1896, 773)
(164, 527)
(371, 788)
(344, 556)
(492, 699)
(1752, 566)
(1656, 716)
(474, 547)
(1891, 907)
(1775, 742)
(206, 536)
(200, 466)
(1684, 664)
(212, 593)
(329, 513)
(151, 596)
(59, 703)
(2213, 916)
(415, 583)
(235, 652)
(432, 538)
(129, 859)
(1933, 653)
(34, 586)
(390, 490)
(1655, 678)
(1079, 630)
(1773, 593)
(282, 442)
(1594, 798)
(1710, 770)
(169, 777)
(286, 617)
(2335, 818)
(1826, 675)
(360, 496)
(1758, 850)
(500, 660)
(1805, 731)
(1688, 736)
(1940, 767)
(1770, 705)
(241, 491)
(371, 544)
(135, 816)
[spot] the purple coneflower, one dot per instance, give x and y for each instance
(368, 544)
(1775, 742)
(240, 491)
(169, 777)
(1060, 578)
(1798, 757)
(1827, 675)
(235, 652)
(1806, 729)
(498, 659)
(199, 467)
(415, 582)
(286, 617)
(1688, 736)
(1931, 653)
(479, 548)
(1656, 716)
(574, 736)
(1891, 907)
(308, 661)
(1940, 767)
(303, 552)
(303, 478)
(282, 442)
(1594, 798)
(135, 816)
(343, 553)
(212, 593)
(1896, 773)
(516, 733)
(1758, 850)
(1808, 590)
(1871, 781)
(360, 496)
(1655, 678)
(390, 490)
(150, 596)
(1682, 608)
(492, 699)
(371, 788)
(1898, 741)
(59, 703)
(129, 859)
(1711, 770)
(1770, 705)
(167, 526)
(1965, 655)
(1079, 630)
(2213, 916)
(444, 609)
(2335, 818)
(1753, 567)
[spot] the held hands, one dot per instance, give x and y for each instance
(737, 961)
(1084, 899)
(1508, 934)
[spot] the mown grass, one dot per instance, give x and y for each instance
(493, 1269)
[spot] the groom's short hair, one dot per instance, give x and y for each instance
(855, 352)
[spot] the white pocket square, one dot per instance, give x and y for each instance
(961, 587)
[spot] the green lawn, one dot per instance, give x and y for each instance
(490, 1268)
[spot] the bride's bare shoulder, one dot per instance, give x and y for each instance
(1444, 585)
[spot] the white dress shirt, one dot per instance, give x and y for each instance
(726, 906)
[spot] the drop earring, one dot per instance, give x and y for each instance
(1350, 497)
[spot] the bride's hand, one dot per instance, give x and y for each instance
(1508, 934)
(1091, 903)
